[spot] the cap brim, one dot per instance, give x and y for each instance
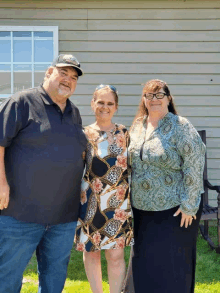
(79, 70)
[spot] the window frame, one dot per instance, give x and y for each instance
(53, 29)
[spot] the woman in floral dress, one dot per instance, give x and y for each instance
(105, 213)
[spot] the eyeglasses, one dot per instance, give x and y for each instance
(101, 86)
(159, 96)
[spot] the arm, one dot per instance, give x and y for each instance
(85, 178)
(11, 121)
(192, 152)
(4, 187)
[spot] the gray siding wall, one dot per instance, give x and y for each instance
(126, 43)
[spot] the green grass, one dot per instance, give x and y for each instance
(207, 271)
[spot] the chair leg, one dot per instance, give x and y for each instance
(205, 234)
(206, 229)
(218, 228)
(218, 223)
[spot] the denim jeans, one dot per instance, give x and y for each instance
(19, 240)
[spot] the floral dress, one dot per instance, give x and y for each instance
(105, 212)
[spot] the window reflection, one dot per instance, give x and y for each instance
(24, 58)
(22, 67)
(5, 34)
(43, 51)
(22, 51)
(5, 47)
(22, 80)
(1, 100)
(5, 82)
(21, 34)
(39, 73)
(5, 79)
(43, 34)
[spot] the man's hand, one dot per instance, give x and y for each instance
(4, 195)
(186, 219)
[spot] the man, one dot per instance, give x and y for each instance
(41, 165)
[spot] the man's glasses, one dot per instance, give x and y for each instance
(101, 86)
(159, 96)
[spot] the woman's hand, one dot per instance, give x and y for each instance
(186, 219)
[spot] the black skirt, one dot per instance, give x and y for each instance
(164, 257)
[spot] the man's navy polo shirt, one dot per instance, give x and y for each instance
(43, 157)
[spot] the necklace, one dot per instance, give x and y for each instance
(104, 134)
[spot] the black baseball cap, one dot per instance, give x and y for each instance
(64, 60)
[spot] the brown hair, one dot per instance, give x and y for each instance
(106, 89)
(154, 85)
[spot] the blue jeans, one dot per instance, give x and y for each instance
(19, 240)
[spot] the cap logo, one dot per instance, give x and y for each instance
(68, 58)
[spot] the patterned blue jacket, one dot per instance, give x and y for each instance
(167, 168)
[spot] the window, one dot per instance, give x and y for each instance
(25, 54)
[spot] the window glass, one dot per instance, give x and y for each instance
(22, 80)
(5, 67)
(21, 34)
(24, 56)
(43, 50)
(43, 34)
(22, 51)
(2, 100)
(22, 67)
(5, 79)
(5, 82)
(5, 34)
(39, 73)
(5, 47)
(41, 67)
(5, 51)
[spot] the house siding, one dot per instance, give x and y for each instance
(126, 43)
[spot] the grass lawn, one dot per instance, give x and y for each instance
(207, 272)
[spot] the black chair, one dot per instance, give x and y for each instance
(209, 212)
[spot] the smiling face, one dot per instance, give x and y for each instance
(156, 105)
(104, 105)
(60, 82)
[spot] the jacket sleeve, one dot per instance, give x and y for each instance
(192, 152)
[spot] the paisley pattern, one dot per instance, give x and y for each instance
(171, 172)
(105, 211)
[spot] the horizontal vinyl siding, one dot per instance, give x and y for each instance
(126, 43)
(116, 4)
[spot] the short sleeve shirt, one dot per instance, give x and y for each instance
(43, 157)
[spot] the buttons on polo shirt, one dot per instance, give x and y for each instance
(57, 108)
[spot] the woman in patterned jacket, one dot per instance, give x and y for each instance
(167, 160)
(105, 212)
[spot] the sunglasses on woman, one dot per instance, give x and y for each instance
(101, 86)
